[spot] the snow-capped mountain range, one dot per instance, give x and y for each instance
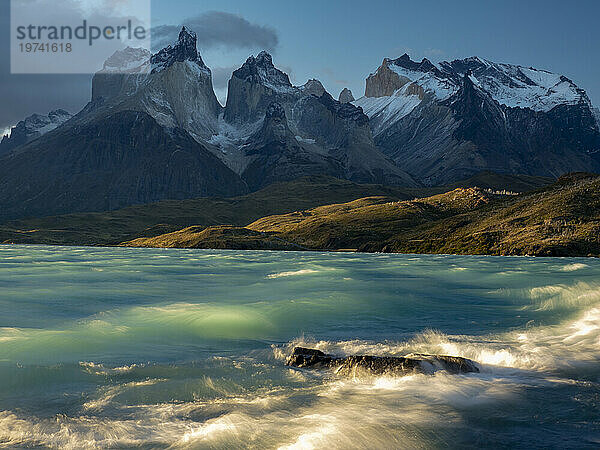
(400, 85)
(154, 129)
(447, 121)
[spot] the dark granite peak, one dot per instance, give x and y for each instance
(344, 110)
(260, 69)
(183, 50)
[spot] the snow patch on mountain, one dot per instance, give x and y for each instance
(383, 111)
(38, 124)
(442, 88)
(305, 140)
(548, 91)
(516, 86)
(510, 85)
(229, 142)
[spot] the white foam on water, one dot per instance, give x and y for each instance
(573, 343)
(564, 296)
(249, 399)
(573, 267)
(293, 273)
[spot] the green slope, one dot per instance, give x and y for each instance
(113, 227)
(559, 220)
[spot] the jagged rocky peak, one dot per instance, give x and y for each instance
(475, 104)
(407, 63)
(344, 110)
(33, 127)
(254, 86)
(386, 81)
(183, 50)
(38, 123)
(346, 96)
(118, 68)
(177, 92)
(260, 69)
(313, 87)
(59, 116)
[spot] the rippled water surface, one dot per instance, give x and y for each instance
(144, 348)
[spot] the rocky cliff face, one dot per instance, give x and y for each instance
(319, 124)
(173, 86)
(122, 159)
(253, 87)
(313, 87)
(139, 140)
(122, 73)
(275, 154)
(185, 49)
(33, 127)
(155, 130)
(450, 121)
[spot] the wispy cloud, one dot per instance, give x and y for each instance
(23, 95)
(220, 29)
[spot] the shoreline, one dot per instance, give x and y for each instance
(338, 251)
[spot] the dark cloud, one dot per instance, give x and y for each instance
(215, 28)
(23, 95)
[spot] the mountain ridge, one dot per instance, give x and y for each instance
(421, 124)
(422, 116)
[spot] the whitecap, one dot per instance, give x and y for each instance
(292, 273)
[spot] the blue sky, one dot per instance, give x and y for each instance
(341, 42)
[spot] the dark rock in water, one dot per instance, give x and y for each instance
(380, 365)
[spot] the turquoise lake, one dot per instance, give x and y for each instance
(164, 348)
